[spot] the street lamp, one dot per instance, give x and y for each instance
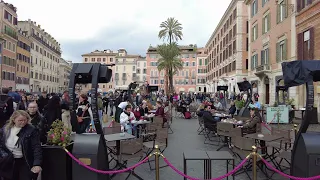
(2, 41)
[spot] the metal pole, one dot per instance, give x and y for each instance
(295, 129)
(254, 159)
(157, 154)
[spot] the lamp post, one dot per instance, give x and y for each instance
(2, 41)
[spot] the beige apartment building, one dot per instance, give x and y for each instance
(126, 69)
(272, 40)
(141, 70)
(104, 57)
(65, 68)
(9, 40)
(227, 49)
(45, 58)
(202, 63)
(23, 62)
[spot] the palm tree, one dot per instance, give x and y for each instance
(169, 62)
(171, 30)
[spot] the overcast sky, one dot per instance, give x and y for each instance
(84, 26)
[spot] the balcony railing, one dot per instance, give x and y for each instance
(10, 33)
(124, 78)
(46, 44)
(263, 69)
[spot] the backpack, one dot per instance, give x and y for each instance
(4, 104)
(187, 115)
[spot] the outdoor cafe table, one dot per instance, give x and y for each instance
(118, 137)
(140, 123)
(264, 139)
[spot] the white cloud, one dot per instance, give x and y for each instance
(72, 20)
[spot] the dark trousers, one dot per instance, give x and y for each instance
(21, 171)
(82, 127)
(117, 115)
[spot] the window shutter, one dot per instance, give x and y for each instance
(256, 59)
(263, 25)
(262, 3)
(252, 59)
(309, 2)
(298, 5)
(257, 6)
(286, 9)
(269, 21)
(311, 53)
(300, 46)
(285, 49)
(252, 33)
(277, 52)
(262, 57)
(6, 15)
(278, 13)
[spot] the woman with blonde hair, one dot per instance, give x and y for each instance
(23, 141)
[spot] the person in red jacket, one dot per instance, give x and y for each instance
(160, 112)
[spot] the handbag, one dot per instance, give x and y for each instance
(6, 162)
(80, 118)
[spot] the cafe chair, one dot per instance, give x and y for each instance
(201, 126)
(161, 140)
(130, 150)
(169, 122)
(210, 132)
(116, 128)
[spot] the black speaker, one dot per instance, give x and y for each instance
(105, 74)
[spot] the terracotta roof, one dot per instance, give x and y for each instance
(100, 54)
(128, 56)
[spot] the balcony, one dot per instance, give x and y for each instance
(46, 44)
(10, 33)
(262, 69)
(124, 78)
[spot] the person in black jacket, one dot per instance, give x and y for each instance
(232, 108)
(38, 121)
(42, 101)
(22, 139)
(52, 111)
(7, 106)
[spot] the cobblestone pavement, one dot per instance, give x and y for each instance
(185, 137)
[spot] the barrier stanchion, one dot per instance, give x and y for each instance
(295, 128)
(254, 159)
(157, 154)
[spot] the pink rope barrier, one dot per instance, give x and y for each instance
(106, 172)
(286, 175)
(218, 178)
(264, 125)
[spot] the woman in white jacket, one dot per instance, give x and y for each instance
(126, 117)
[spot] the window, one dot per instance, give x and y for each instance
(254, 61)
(254, 8)
(301, 4)
(306, 44)
(254, 33)
(281, 51)
(133, 68)
(265, 56)
(264, 2)
(266, 23)
(282, 10)
(200, 62)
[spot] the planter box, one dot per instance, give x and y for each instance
(56, 164)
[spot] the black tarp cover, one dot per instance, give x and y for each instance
(296, 73)
(244, 86)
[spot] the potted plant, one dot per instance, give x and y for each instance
(290, 102)
(239, 104)
(56, 163)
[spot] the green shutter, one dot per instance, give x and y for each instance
(269, 21)
(285, 50)
(263, 25)
(262, 57)
(263, 3)
(252, 33)
(277, 52)
(267, 56)
(256, 59)
(278, 13)
(252, 62)
(286, 9)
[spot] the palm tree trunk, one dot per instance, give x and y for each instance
(171, 88)
(166, 82)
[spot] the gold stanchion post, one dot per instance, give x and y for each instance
(157, 154)
(295, 128)
(254, 159)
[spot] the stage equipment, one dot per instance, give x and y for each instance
(305, 158)
(90, 73)
(245, 86)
